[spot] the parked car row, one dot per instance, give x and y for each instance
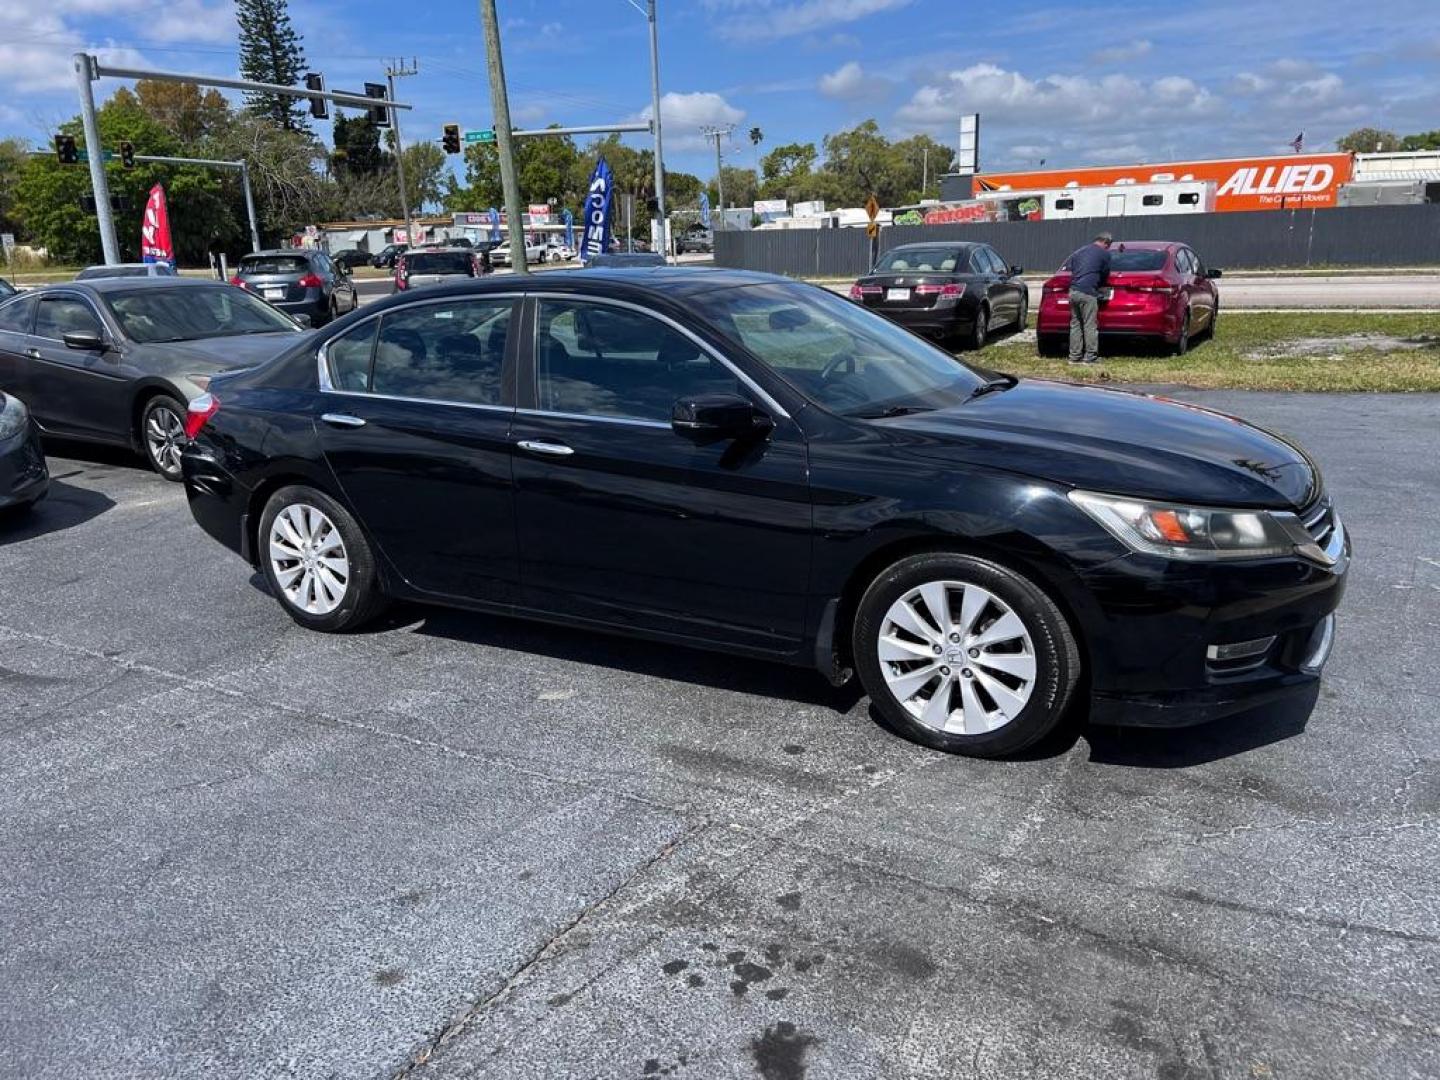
(1157, 291)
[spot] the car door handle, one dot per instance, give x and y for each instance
(34, 354)
(342, 420)
(553, 449)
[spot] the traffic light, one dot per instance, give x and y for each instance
(379, 114)
(319, 107)
(65, 150)
(127, 154)
(450, 140)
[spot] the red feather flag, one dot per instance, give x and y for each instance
(155, 243)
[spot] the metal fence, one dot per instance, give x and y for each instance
(1350, 236)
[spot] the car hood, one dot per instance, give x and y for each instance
(209, 355)
(1123, 443)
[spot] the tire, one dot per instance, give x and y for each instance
(162, 435)
(1209, 334)
(1182, 343)
(1022, 315)
(1004, 709)
(334, 599)
(974, 341)
(1052, 345)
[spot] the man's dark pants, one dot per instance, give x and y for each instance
(1084, 335)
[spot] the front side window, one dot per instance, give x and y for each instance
(838, 353)
(598, 360)
(61, 315)
(193, 313)
(452, 351)
(348, 357)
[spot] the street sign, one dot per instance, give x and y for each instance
(82, 157)
(7, 240)
(872, 211)
(486, 135)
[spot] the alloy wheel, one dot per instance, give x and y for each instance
(308, 559)
(164, 438)
(957, 658)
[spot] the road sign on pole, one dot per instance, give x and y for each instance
(485, 136)
(872, 211)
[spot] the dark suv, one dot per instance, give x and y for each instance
(299, 282)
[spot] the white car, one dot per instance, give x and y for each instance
(555, 252)
(534, 253)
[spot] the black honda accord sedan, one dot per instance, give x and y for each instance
(750, 464)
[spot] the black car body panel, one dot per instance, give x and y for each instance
(95, 394)
(761, 546)
(24, 476)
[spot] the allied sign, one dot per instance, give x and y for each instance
(1283, 182)
(486, 135)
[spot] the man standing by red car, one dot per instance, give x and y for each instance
(1089, 270)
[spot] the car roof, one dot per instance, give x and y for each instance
(302, 252)
(1148, 245)
(125, 284)
(934, 244)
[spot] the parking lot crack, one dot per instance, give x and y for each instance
(552, 946)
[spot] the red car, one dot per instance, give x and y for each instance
(1158, 290)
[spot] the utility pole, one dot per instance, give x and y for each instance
(392, 73)
(662, 238)
(717, 133)
(505, 143)
(84, 76)
(924, 170)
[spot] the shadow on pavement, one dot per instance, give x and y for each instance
(63, 508)
(1181, 748)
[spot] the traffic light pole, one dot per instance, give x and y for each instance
(390, 74)
(84, 76)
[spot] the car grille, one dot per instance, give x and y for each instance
(1320, 522)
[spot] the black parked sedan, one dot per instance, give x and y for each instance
(947, 291)
(116, 360)
(24, 478)
(746, 463)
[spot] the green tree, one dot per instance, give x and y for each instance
(861, 163)
(271, 51)
(545, 168)
(1425, 140)
(1368, 140)
(425, 175)
(908, 170)
(182, 109)
(742, 187)
(357, 148)
(682, 190)
(13, 158)
(787, 172)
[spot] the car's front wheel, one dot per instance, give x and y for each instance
(964, 655)
(162, 431)
(317, 561)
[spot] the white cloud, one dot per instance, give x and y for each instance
(683, 116)
(851, 82)
(763, 20)
(1120, 54)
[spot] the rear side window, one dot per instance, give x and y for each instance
(1064, 204)
(1190, 198)
(275, 264)
(61, 315)
(444, 352)
(1153, 200)
(15, 316)
(348, 357)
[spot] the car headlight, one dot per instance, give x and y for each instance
(13, 416)
(1192, 532)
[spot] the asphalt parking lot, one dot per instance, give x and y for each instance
(465, 847)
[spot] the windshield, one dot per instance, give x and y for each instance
(837, 353)
(1136, 259)
(932, 259)
(439, 262)
(275, 264)
(188, 314)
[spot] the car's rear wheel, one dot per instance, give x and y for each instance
(974, 341)
(318, 562)
(1022, 314)
(162, 434)
(964, 655)
(1182, 343)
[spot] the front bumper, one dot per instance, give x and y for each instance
(1160, 626)
(24, 476)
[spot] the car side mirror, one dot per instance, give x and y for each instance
(1212, 271)
(86, 340)
(711, 417)
(1015, 270)
(303, 320)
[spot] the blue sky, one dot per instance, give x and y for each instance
(1071, 83)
